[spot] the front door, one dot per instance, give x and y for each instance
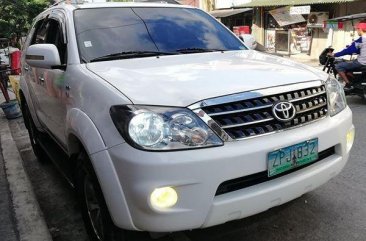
(48, 85)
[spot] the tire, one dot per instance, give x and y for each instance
(34, 135)
(364, 93)
(97, 220)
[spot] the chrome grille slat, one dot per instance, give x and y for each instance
(307, 97)
(240, 111)
(252, 116)
(247, 123)
(312, 108)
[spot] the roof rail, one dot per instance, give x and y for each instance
(57, 2)
(67, 2)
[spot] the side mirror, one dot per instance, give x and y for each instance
(42, 56)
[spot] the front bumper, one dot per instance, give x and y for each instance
(196, 175)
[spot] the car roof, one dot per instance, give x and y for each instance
(71, 7)
(131, 4)
(118, 4)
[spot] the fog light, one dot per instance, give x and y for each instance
(350, 138)
(164, 197)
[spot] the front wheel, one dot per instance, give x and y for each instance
(95, 213)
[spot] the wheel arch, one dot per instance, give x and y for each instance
(83, 135)
(81, 130)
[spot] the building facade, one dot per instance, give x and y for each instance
(299, 27)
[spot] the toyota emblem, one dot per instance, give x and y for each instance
(284, 111)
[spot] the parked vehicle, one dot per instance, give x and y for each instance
(4, 67)
(4, 59)
(248, 40)
(163, 120)
(4, 51)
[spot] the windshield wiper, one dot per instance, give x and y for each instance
(198, 50)
(131, 54)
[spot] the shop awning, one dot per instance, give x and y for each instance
(264, 3)
(228, 12)
(349, 17)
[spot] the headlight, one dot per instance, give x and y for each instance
(162, 128)
(336, 97)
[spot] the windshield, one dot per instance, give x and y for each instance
(115, 31)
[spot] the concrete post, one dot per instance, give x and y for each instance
(330, 37)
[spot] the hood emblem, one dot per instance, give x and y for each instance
(284, 111)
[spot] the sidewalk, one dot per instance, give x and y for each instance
(8, 229)
(304, 59)
(20, 216)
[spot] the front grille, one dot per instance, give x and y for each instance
(247, 181)
(251, 117)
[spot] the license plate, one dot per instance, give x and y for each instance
(290, 157)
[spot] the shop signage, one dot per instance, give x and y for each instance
(300, 10)
(239, 30)
(283, 16)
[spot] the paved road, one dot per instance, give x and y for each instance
(335, 211)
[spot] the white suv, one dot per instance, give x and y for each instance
(163, 120)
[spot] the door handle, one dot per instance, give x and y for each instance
(41, 79)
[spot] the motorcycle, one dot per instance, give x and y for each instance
(358, 82)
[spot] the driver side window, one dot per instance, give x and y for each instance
(49, 31)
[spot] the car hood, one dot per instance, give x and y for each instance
(181, 80)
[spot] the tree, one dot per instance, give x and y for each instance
(17, 16)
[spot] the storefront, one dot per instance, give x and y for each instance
(291, 30)
(295, 27)
(234, 17)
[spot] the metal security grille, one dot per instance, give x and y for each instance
(252, 117)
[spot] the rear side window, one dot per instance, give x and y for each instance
(148, 29)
